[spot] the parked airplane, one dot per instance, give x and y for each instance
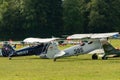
(109, 50)
(69, 52)
(45, 48)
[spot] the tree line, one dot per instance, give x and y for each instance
(45, 18)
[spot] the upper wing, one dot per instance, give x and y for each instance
(94, 35)
(104, 35)
(40, 40)
(78, 36)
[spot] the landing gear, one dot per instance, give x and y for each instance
(10, 58)
(54, 59)
(104, 58)
(94, 56)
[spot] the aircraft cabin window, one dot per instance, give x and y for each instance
(82, 44)
(90, 42)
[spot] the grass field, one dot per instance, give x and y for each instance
(71, 68)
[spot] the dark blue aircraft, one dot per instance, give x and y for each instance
(45, 49)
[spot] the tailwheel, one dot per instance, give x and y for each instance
(94, 56)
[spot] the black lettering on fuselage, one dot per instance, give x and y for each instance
(23, 52)
(78, 50)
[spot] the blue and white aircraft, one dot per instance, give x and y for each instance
(45, 48)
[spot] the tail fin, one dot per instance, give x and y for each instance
(7, 49)
(52, 50)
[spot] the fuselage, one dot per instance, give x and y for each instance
(7, 50)
(32, 50)
(79, 49)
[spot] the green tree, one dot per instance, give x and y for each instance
(54, 17)
(30, 18)
(43, 17)
(73, 22)
(11, 19)
(115, 14)
(86, 16)
(85, 12)
(103, 16)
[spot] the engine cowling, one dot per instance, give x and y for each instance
(6, 50)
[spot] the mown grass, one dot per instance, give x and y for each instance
(71, 68)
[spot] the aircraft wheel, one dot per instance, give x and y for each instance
(94, 57)
(10, 58)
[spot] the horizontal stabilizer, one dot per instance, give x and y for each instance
(61, 53)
